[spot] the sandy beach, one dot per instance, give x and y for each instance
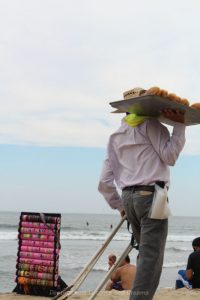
(85, 244)
(163, 294)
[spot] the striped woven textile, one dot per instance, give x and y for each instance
(38, 250)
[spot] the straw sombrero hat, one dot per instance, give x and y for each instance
(130, 94)
(136, 92)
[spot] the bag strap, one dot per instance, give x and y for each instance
(133, 241)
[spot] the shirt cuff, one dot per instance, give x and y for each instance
(120, 208)
(179, 128)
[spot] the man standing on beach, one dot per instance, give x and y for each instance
(139, 154)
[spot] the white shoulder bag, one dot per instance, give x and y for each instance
(160, 207)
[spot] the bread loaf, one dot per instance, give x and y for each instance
(195, 105)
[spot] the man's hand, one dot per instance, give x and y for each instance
(122, 213)
(175, 115)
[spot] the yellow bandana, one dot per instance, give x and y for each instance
(134, 120)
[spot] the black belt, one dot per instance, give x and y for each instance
(134, 188)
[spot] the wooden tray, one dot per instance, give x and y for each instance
(151, 105)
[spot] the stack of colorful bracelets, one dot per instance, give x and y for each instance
(38, 249)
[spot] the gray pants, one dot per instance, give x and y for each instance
(151, 236)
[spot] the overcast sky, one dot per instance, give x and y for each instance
(61, 63)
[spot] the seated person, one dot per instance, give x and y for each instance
(123, 277)
(191, 277)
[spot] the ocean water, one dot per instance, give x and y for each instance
(79, 242)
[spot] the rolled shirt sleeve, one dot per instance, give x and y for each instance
(108, 188)
(168, 147)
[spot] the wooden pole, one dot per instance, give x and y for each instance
(108, 275)
(86, 270)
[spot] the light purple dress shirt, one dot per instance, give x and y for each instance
(139, 155)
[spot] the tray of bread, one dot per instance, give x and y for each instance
(151, 102)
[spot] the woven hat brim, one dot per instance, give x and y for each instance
(118, 111)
